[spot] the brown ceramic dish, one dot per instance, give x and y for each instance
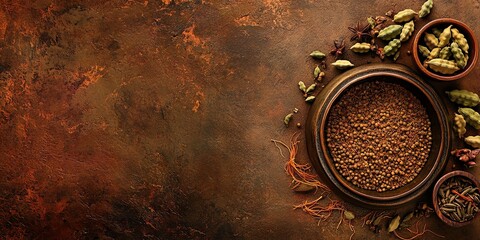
(435, 197)
(443, 23)
(323, 162)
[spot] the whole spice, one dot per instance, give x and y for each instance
(458, 55)
(460, 40)
(435, 53)
(392, 47)
(407, 31)
(311, 88)
(339, 48)
(367, 136)
(445, 53)
(457, 199)
(471, 116)
(426, 8)
(466, 156)
(436, 31)
(442, 66)
(463, 97)
(348, 215)
(342, 64)
(473, 141)
(302, 87)
(444, 38)
(390, 32)
(287, 119)
(316, 72)
(360, 33)
(394, 224)
(460, 125)
(395, 57)
(424, 51)
(361, 47)
(430, 40)
(317, 55)
(372, 22)
(404, 16)
(310, 99)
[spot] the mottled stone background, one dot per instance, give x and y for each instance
(131, 119)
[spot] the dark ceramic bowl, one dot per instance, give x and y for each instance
(435, 196)
(323, 162)
(443, 23)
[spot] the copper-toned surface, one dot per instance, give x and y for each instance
(138, 119)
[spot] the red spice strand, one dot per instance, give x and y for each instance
(462, 196)
(417, 233)
(299, 172)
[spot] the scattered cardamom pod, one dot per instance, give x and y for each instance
(287, 119)
(426, 8)
(342, 64)
(317, 55)
(302, 87)
(310, 99)
(394, 223)
(404, 16)
(316, 72)
(348, 215)
(311, 88)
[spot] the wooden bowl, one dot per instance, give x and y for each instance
(435, 198)
(443, 23)
(323, 162)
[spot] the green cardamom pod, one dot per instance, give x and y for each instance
(392, 47)
(316, 72)
(460, 40)
(473, 141)
(460, 125)
(445, 53)
(311, 88)
(426, 8)
(287, 119)
(404, 16)
(302, 87)
(407, 31)
(471, 116)
(361, 47)
(342, 64)
(463, 97)
(433, 54)
(372, 22)
(442, 66)
(397, 54)
(348, 215)
(430, 40)
(394, 224)
(317, 55)
(390, 32)
(436, 31)
(458, 55)
(310, 99)
(424, 51)
(444, 38)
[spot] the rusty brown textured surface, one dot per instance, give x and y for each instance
(146, 119)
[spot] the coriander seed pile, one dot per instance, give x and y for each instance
(379, 135)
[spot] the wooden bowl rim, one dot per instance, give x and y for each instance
(473, 58)
(435, 197)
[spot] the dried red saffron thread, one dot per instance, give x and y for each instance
(299, 172)
(417, 233)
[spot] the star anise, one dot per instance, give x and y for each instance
(360, 33)
(339, 48)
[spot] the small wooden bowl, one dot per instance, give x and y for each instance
(442, 23)
(435, 198)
